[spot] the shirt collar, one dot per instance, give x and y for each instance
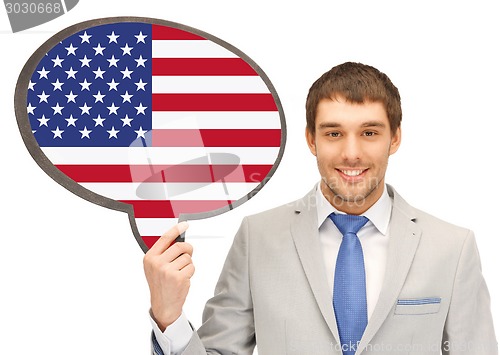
(379, 214)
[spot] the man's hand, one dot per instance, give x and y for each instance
(169, 268)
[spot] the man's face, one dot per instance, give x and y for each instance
(352, 144)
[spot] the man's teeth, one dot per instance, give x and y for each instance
(352, 172)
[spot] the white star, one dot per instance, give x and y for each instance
(99, 49)
(85, 109)
(141, 133)
(126, 49)
(31, 109)
(85, 133)
(112, 61)
(85, 37)
(99, 121)
(71, 121)
(31, 85)
(57, 133)
(71, 49)
(113, 85)
(98, 73)
(140, 61)
(126, 73)
(57, 109)
(140, 109)
(112, 37)
(58, 85)
(43, 121)
(140, 37)
(99, 97)
(113, 133)
(71, 73)
(126, 121)
(85, 61)
(43, 97)
(71, 97)
(141, 85)
(57, 61)
(113, 109)
(126, 97)
(85, 85)
(43, 73)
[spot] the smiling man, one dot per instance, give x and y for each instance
(349, 269)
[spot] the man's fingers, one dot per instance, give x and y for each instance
(167, 238)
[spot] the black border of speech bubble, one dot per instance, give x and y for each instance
(20, 99)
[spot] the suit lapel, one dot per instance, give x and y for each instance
(403, 242)
(304, 230)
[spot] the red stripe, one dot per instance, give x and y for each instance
(172, 209)
(201, 66)
(213, 102)
(165, 173)
(170, 33)
(216, 137)
(150, 240)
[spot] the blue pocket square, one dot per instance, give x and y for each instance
(419, 301)
(418, 306)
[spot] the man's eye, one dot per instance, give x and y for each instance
(369, 134)
(334, 134)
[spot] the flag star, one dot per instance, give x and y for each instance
(126, 121)
(71, 49)
(85, 37)
(140, 109)
(43, 97)
(126, 97)
(98, 73)
(57, 61)
(85, 61)
(57, 109)
(58, 85)
(140, 37)
(99, 97)
(85, 109)
(126, 49)
(113, 133)
(57, 133)
(113, 85)
(141, 85)
(85, 85)
(31, 85)
(99, 49)
(71, 97)
(140, 61)
(85, 133)
(71, 73)
(112, 61)
(43, 73)
(113, 109)
(31, 109)
(71, 121)
(126, 73)
(99, 120)
(113, 37)
(141, 133)
(43, 121)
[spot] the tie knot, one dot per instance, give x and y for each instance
(348, 223)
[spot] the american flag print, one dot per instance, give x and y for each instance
(160, 118)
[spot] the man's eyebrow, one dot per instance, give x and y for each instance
(364, 125)
(373, 124)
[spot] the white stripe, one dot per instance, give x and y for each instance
(172, 191)
(156, 155)
(216, 120)
(208, 85)
(154, 226)
(63, 3)
(189, 49)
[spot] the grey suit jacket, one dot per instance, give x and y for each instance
(273, 290)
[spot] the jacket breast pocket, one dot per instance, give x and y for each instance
(417, 306)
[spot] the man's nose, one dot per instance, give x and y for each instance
(351, 149)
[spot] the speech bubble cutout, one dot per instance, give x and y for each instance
(24, 14)
(150, 117)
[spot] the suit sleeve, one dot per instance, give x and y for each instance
(469, 324)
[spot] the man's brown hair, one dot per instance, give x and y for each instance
(357, 83)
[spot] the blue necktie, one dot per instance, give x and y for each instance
(349, 291)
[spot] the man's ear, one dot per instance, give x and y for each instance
(311, 141)
(395, 141)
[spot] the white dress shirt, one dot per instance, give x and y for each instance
(374, 238)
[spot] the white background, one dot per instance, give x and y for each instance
(71, 278)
